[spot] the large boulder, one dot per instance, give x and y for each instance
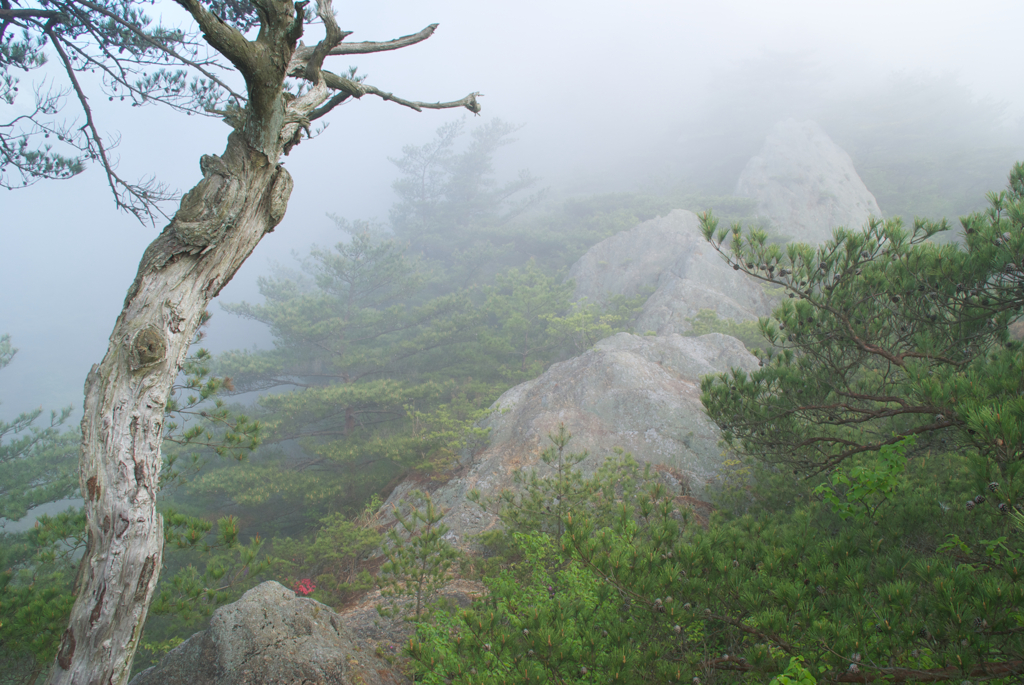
(805, 184)
(271, 636)
(669, 256)
(631, 261)
(638, 393)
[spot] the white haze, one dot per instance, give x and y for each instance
(605, 90)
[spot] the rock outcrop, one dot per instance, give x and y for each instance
(272, 637)
(805, 184)
(670, 256)
(635, 392)
(631, 261)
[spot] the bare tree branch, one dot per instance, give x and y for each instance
(367, 47)
(306, 63)
(303, 53)
(334, 36)
(33, 14)
(358, 90)
(336, 100)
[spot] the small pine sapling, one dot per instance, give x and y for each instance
(420, 558)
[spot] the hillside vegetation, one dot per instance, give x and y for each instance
(867, 523)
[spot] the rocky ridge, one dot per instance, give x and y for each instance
(637, 393)
(669, 256)
(640, 393)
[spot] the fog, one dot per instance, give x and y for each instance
(612, 96)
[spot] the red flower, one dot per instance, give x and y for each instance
(304, 587)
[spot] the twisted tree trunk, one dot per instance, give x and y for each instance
(242, 196)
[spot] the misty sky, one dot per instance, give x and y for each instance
(604, 90)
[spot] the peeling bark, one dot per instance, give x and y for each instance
(219, 224)
(242, 196)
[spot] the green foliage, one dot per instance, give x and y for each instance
(794, 591)
(885, 331)
(544, 621)
(762, 590)
(861, 490)
(338, 320)
(142, 61)
(152, 651)
(540, 502)
(885, 335)
(450, 206)
(546, 618)
(206, 565)
(332, 557)
(39, 465)
(389, 365)
(588, 322)
(214, 426)
(419, 559)
(228, 569)
(452, 211)
(366, 357)
(7, 351)
(707, 321)
(39, 568)
(795, 674)
(521, 305)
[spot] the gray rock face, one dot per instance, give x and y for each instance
(638, 393)
(670, 255)
(632, 260)
(271, 637)
(806, 184)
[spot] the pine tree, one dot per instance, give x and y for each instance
(885, 335)
(368, 369)
(420, 558)
(37, 465)
(451, 208)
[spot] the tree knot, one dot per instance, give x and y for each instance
(148, 347)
